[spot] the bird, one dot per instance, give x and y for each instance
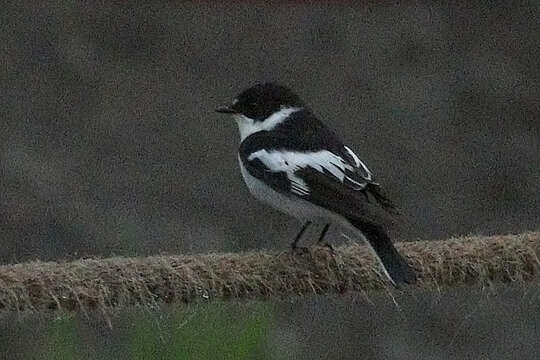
(290, 160)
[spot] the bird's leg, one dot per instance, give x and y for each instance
(294, 244)
(321, 237)
(323, 233)
(366, 195)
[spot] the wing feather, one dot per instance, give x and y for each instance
(334, 178)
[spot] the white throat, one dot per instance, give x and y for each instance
(248, 126)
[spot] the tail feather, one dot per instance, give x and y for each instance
(395, 265)
(375, 190)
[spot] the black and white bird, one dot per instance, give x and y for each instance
(290, 160)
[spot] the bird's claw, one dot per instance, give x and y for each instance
(330, 247)
(299, 250)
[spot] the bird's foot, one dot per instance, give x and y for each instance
(299, 250)
(330, 247)
(294, 250)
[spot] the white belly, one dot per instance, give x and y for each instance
(294, 206)
(302, 209)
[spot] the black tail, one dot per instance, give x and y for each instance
(393, 262)
(376, 191)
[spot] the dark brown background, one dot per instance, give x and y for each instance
(110, 146)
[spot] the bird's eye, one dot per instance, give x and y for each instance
(253, 104)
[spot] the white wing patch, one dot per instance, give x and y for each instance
(358, 163)
(290, 161)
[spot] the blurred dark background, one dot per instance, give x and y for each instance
(110, 145)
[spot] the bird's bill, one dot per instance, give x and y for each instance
(225, 110)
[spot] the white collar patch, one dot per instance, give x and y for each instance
(248, 126)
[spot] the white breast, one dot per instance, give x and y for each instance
(301, 209)
(292, 205)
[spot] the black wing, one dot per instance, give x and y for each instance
(335, 179)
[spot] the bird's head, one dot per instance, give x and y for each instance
(262, 107)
